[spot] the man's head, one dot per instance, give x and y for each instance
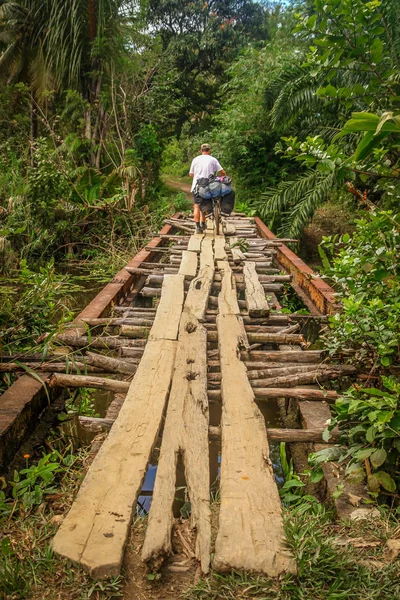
(205, 148)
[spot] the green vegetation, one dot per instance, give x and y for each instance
(365, 273)
(29, 516)
(311, 116)
(90, 95)
(300, 102)
(335, 560)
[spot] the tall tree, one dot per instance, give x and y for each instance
(199, 39)
(73, 41)
(22, 56)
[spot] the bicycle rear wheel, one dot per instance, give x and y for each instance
(217, 221)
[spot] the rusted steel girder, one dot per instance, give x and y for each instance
(316, 294)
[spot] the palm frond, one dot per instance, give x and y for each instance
(41, 78)
(293, 223)
(297, 97)
(390, 14)
(292, 204)
(8, 60)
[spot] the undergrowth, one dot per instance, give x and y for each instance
(334, 561)
(365, 332)
(31, 509)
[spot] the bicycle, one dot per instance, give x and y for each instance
(215, 214)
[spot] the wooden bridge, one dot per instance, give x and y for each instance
(195, 320)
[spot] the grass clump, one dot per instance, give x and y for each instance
(31, 510)
(334, 561)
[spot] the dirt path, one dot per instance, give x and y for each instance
(178, 184)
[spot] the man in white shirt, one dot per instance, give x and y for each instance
(202, 166)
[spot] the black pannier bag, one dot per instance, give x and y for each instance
(227, 203)
(205, 205)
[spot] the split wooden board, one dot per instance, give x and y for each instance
(168, 315)
(207, 254)
(185, 430)
(227, 298)
(95, 530)
(250, 534)
(257, 304)
(210, 225)
(186, 433)
(219, 248)
(228, 228)
(194, 244)
(188, 266)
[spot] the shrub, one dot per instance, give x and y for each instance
(366, 275)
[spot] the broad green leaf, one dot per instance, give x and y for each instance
(355, 473)
(378, 457)
(370, 435)
(293, 483)
(324, 258)
(367, 144)
(395, 423)
(326, 435)
(316, 476)
(330, 90)
(327, 454)
(364, 453)
(375, 392)
(373, 483)
(311, 21)
(386, 116)
(385, 481)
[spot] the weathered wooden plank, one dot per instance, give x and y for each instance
(256, 338)
(207, 254)
(169, 310)
(219, 248)
(299, 393)
(194, 244)
(95, 530)
(186, 433)
(227, 298)
(214, 433)
(108, 363)
(188, 266)
(257, 304)
(250, 534)
(237, 254)
(228, 228)
(199, 290)
(301, 356)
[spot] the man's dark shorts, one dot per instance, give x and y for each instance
(196, 199)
